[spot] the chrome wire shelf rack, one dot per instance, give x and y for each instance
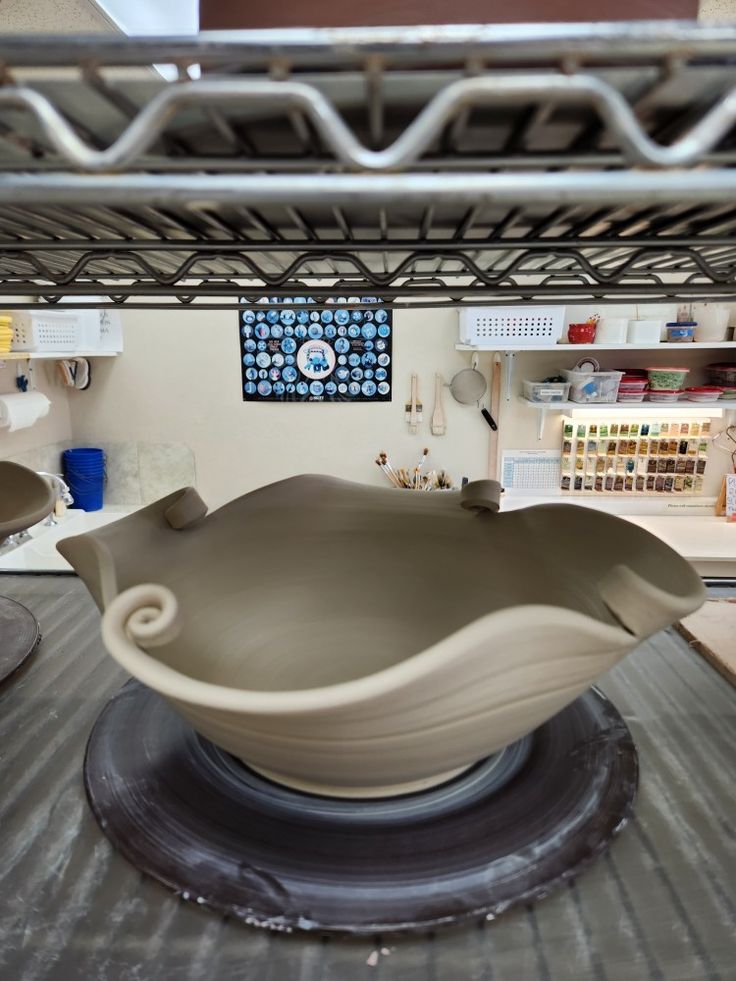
(433, 166)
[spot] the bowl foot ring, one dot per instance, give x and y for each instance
(511, 829)
(19, 636)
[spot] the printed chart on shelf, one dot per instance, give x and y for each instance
(668, 456)
(530, 471)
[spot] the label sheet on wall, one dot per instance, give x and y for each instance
(530, 471)
(300, 354)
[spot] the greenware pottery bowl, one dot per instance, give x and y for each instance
(405, 639)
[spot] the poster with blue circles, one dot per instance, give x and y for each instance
(296, 353)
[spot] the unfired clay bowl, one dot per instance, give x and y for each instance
(354, 640)
(25, 498)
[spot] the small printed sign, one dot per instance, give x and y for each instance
(731, 495)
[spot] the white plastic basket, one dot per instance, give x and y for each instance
(47, 330)
(489, 327)
(67, 330)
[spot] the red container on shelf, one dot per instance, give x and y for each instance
(633, 383)
(581, 333)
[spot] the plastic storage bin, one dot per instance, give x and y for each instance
(546, 391)
(668, 378)
(681, 332)
(644, 331)
(712, 321)
(612, 330)
(723, 374)
(489, 327)
(630, 383)
(593, 386)
(662, 395)
(47, 330)
(703, 393)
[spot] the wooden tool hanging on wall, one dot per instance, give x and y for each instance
(721, 501)
(437, 423)
(495, 400)
(413, 408)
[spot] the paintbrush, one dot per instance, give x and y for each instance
(419, 466)
(413, 408)
(388, 474)
(384, 459)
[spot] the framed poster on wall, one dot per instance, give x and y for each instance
(300, 354)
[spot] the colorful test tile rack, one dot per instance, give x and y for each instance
(296, 353)
(630, 457)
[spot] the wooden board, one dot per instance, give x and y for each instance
(495, 407)
(712, 632)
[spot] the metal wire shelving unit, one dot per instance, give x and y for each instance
(430, 166)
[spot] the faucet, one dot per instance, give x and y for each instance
(62, 493)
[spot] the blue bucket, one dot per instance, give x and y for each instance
(84, 472)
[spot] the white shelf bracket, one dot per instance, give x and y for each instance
(541, 420)
(508, 373)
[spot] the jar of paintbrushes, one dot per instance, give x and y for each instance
(414, 478)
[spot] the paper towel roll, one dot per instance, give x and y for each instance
(22, 409)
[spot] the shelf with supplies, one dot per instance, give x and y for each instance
(713, 410)
(55, 355)
(520, 348)
(510, 350)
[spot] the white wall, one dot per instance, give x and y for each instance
(179, 381)
(53, 429)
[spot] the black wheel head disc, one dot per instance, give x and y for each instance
(19, 636)
(203, 824)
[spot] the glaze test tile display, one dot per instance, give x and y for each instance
(300, 354)
(634, 457)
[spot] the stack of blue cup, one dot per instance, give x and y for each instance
(84, 472)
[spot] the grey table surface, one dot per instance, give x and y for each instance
(660, 905)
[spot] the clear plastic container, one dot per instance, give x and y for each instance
(546, 391)
(637, 396)
(662, 395)
(681, 333)
(667, 378)
(644, 331)
(703, 393)
(723, 374)
(593, 386)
